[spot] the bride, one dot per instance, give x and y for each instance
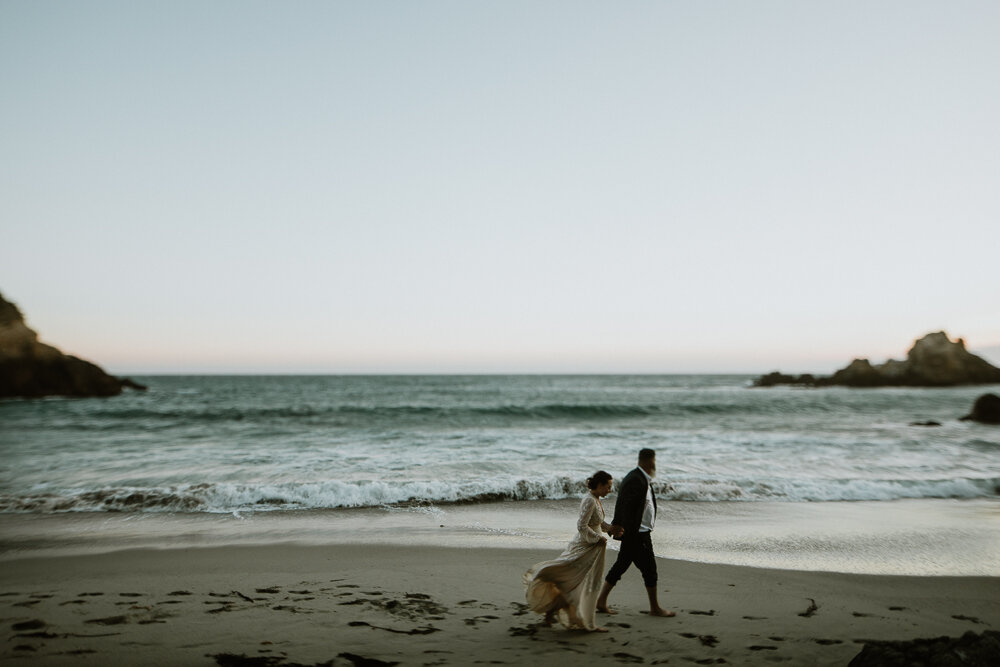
(568, 586)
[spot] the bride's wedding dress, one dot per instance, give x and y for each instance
(576, 575)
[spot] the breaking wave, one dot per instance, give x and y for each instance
(229, 498)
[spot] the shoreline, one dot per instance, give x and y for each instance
(919, 537)
(449, 605)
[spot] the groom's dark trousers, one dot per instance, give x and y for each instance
(636, 547)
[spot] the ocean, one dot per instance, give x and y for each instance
(830, 478)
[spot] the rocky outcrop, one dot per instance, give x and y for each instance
(776, 378)
(933, 361)
(969, 650)
(30, 369)
(986, 410)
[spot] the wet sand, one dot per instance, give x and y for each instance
(353, 604)
(906, 537)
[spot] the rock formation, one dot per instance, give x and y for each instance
(933, 361)
(30, 369)
(969, 650)
(985, 410)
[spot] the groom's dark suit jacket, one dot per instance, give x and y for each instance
(631, 503)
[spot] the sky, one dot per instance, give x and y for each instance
(500, 187)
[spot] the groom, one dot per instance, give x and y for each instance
(635, 515)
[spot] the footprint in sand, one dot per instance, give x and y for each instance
(520, 609)
(707, 640)
(285, 607)
(228, 606)
(828, 642)
(759, 647)
(971, 619)
(23, 629)
(110, 620)
(475, 620)
(425, 630)
(34, 624)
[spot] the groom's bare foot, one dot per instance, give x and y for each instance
(659, 611)
(605, 609)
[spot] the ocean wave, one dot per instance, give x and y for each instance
(827, 490)
(549, 411)
(229, 498)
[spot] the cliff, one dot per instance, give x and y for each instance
(30, 368)
(933, 361)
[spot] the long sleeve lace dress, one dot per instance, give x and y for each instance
(576, 575)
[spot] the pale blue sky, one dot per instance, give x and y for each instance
(500, 186)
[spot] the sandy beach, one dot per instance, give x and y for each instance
(424, 605)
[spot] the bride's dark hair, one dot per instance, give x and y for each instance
(598, 478)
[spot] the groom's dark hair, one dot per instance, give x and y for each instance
(646, 455)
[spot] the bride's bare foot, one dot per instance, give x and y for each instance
(599, 629)
(661, 612)
(606, 610)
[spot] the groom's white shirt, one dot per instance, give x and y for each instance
(649, 512)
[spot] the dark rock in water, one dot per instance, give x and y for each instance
(30, 369)
(933, 361)
(986, 410)
(858, 373)
(929, 422)
(969, 650)
(776, 378)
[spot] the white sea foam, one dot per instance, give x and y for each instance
(228, 498)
